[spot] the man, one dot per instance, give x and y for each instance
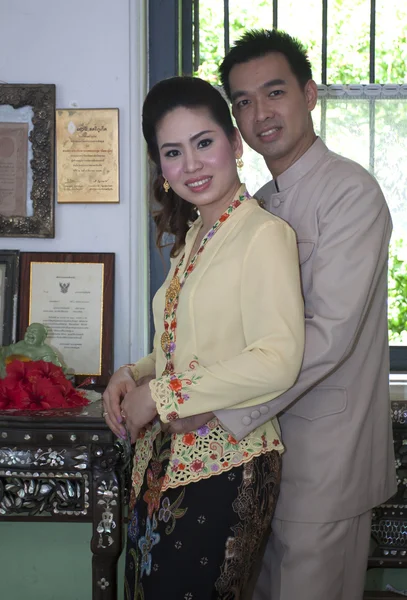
(335, 420)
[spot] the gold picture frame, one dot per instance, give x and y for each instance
(87, 142)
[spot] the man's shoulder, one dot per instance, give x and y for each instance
(331, 172)
(337, 165)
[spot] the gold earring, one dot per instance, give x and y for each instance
(166, 186)
(239, 162)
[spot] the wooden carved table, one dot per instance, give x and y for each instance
(66, 465)
(389, 523)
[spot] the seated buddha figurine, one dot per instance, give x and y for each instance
(32, 347)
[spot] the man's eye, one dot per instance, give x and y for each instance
(242, 103)
(204, 143)
(275, 93)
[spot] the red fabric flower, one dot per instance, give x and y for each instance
(37, 385)
(232, 440)
(176, 385)
(197, 466)
(172, 416)
(223, 218)
(189, 439)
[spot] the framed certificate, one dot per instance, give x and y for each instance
(87, 155)
(72, 295)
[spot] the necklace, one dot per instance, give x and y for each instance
(168, 338)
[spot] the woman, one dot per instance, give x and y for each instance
(229, 332)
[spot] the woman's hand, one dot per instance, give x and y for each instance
(120, 384)
(188, 424)
(138, 409)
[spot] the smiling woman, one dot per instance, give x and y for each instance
(229, 332)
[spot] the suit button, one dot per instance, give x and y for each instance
(264, 410)
(246, 421)
(255, 414)
(276, 202)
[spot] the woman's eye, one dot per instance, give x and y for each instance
(204, 143)
(172, 153)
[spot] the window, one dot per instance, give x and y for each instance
(358, 50)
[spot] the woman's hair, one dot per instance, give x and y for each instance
(174, 213)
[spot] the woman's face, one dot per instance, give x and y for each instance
(197, 158)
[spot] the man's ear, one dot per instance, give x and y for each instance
(311, 94)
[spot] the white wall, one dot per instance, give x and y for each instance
(94, 51)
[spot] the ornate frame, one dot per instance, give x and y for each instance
(42, 100)
(9, 258)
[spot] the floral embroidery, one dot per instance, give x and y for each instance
(142, 456)
(172, 512)
(201, 454)
(133, 527)
(189, 439)
(197, 466)
(254, 506)
(169, 391)
(146, 544)
(153, 494)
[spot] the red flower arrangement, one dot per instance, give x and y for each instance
(37, 385)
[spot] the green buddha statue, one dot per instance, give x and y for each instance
(32, 347)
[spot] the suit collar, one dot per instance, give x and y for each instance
(301, 167)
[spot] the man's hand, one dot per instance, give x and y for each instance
(120, 384)
(188, 423)
(139, 409)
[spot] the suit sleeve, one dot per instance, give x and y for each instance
(351, 254)
(272, 315)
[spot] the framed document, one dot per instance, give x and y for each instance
(72, 295)
(8, 295)
(27, 143)
(13, 169)
(88, 155)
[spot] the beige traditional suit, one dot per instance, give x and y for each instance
(335, 420)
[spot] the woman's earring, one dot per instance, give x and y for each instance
(239, 162)
(166, 186)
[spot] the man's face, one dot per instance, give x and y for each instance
(272, 111)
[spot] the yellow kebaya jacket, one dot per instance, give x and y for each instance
(240, 342)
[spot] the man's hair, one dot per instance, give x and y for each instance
(260, 42)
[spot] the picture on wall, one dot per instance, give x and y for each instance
(72, 295)
(27, 146)
(87, 155)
